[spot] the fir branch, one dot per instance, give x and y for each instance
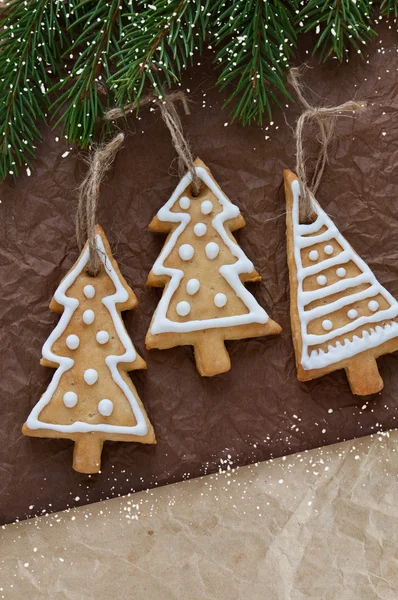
(255, 40)
(32, 36)
(389, 8)
(340, 24)
(98, 29)
(160, 42)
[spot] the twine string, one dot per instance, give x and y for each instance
(325, 118)
(172, 120)
(89, 189)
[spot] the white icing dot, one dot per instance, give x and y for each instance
(212, 249)
(341, 272)
(102, 337)
(328, 325)
(89, 291)
(200, 229)
(328, 249)
(88, 316)
(72, 341)
(105, 407)
(70, 399)
(220, 300)
(321, 280)
(373, 305)
(90, 376)
(192, 286)
(314, 255)
(186, 251)
(352, 313)
(183, 308)
(206, 207)
(184, 202)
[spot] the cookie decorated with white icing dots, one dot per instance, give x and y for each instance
(203, 270)
(90, 399)
(342, 317)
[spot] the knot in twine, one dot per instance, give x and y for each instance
(325, 118)
(89, 190)
(171, 118)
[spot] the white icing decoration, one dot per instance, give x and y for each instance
(193, 286)
(313, 255)
(88, 316)
(220, 300)
(183, 308)
(70, 399)
(89, 291)
(373, 305)
(321, 280)
(105, 407)
(65, 363)
(206, 207)
(327, 324)
(231, 273)
(352, 313)
(186, 251)
(90, 376)
(72, 341)
(212, 250)
(200, 229)
(306, 236)
(341, 272)
(102, 337)
(328, 249)
(184, 202)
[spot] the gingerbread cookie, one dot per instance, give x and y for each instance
(342, 318)
(91, 398)
(202, 270)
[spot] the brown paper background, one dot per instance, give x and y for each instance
(320, 525)
(258, 410)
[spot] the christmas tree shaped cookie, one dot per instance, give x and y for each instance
(91, 398)
(203, 270)
(342, 318)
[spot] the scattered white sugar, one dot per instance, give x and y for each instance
(356, 457)
(28, 172)
(280, 481)
(65, 154)
(330, 411)
(364, 407)
(26, 564)
(77, 498)
(323, 430)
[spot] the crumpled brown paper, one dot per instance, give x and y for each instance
(318, 525)
(258, 410)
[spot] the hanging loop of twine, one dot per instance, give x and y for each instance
(89, 190)
(171, 118)
(325, 118)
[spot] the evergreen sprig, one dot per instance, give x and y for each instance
(389, 8)
(340, 24)
(255, 40)
(98, 29)
(159, 42)
(32, 36)
(90, 54)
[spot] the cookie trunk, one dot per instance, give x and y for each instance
(363, 376)
(87, 454)
(211, 355)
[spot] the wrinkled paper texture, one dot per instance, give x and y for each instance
(318, 525)
(258, 410)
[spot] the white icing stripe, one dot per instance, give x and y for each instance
(318, 239)
(350, 348)
(320, 359)
(65, 363)
(343, 257)
(338, 286)
(315, 340)
(326, 309)
(231, 272)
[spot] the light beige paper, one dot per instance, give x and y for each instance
(320, 525)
